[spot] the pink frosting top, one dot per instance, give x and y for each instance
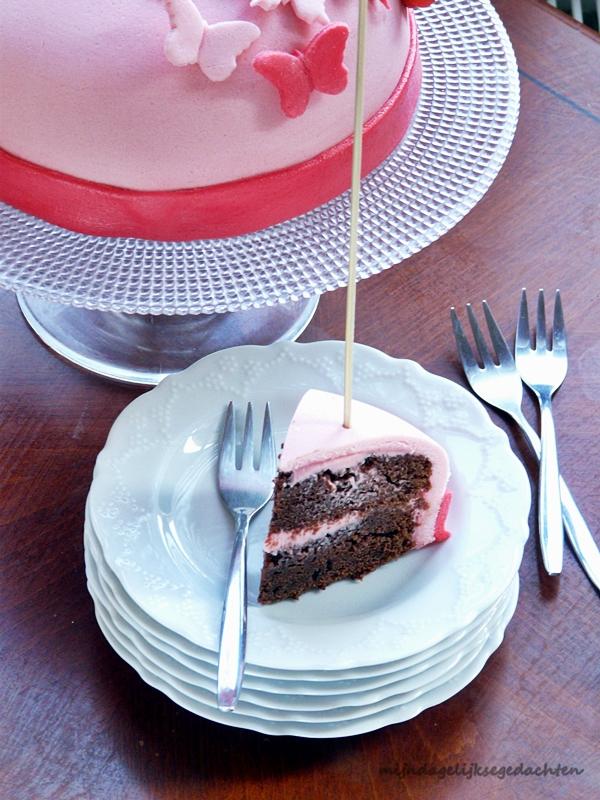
(317, 440)
(86, 88)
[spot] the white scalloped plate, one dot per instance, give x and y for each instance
(274, 706)
(203, 662)
(263, 692)
(164, 532)
(456, 680)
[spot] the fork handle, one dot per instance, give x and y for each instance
(549, 504)
(578, 533)
(232, 644)
(580, 536)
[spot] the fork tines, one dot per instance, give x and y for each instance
(230, 458)
(523, 342)
(501, 349)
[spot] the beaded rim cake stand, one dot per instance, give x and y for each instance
(128, 308)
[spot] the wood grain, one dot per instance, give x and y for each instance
(76, 722)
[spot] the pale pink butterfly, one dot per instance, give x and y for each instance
(307, 10)
(214, 48)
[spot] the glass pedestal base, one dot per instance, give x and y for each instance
(143, 349)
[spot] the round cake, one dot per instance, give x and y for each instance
(189, 119)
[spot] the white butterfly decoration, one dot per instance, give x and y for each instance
(308, 10)
(214, 48)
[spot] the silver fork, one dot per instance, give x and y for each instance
(543, 370)
(500, 385)
(245, 488)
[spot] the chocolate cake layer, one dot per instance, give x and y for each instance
(377, 480)
(382, 536)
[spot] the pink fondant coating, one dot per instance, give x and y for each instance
(88, 91)
(317, 439)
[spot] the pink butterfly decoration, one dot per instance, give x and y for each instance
(307, 10)
(214, 48)
(319, 67)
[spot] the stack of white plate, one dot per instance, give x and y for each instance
(352, 658)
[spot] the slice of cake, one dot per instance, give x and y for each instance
(348, 500)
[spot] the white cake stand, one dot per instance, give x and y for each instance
(135, 310)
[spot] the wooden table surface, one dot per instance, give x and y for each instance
(77, 722)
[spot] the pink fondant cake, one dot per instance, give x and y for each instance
(182, 119)
(348, 500)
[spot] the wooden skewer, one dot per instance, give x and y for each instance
(354, 210)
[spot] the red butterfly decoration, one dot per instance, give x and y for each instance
(319, 67)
